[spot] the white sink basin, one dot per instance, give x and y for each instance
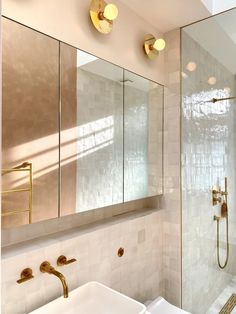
(93, 298)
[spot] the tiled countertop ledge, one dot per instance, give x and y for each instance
(38, 229)
(44, 241)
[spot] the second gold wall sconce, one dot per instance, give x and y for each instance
(152, 46)
(103, 15)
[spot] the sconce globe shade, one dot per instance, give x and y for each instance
(111, 12)
(191, 66)
(227, 90)
(211, 80)
(159, 44)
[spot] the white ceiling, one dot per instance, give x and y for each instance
(218, 36)
(222, 5)
(166, 15)
(89, 63)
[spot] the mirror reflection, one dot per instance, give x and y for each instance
(30, 125)
(92, 132)
(143, 124)
(79, 133)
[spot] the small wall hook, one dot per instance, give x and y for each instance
(26, 274)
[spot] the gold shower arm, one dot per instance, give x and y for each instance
(214, 100)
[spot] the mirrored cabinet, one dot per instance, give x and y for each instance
(91, 131)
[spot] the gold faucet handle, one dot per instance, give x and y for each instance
(224, 193)
(62, 260)
(217, 199)
(26, 274)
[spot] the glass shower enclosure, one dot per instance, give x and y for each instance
(208, 62)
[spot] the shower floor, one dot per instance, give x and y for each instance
(223, 298)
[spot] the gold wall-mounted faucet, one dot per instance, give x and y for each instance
(46, 267)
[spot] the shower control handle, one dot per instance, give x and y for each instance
(217, 200)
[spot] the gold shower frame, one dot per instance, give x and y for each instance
(25, 166)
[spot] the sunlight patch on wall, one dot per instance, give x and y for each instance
(76, 143)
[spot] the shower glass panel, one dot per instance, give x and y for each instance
(143, 133)
(91, 132)
(208, 155)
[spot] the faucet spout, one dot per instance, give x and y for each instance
(46, 267)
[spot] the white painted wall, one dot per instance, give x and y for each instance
(69, 21)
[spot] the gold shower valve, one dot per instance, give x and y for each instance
(224, 193)
(217, 194)
(216, 199)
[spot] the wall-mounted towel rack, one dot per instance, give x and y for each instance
(27, 167)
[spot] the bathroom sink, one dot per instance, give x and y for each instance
(93, 298)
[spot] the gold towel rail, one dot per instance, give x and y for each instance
(25, 166)
(16, 190)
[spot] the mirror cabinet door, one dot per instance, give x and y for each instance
(143, 137)
(29, 125)
(79, 133)
(91, 132)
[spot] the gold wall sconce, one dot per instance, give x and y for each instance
(102, 15)
(152, 46)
